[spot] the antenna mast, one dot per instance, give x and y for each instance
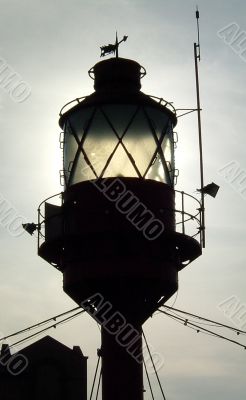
(197, 57)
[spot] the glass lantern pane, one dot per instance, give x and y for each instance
(168, 151)
(81, 169)
(120, 116)
(118, 140)
(156, 171)
(140, 142)
(99, 144)
(76, 127)
(161, 127)
(159, 120)
(120, 165)
(166, 146)
(69, 151)
(80, 120)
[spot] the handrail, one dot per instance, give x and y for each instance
(48, 198)
(40, 215)
(167, 104)
(189, 195)
(78, 100)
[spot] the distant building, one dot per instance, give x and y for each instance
(46, 370)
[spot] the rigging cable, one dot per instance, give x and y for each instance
(95, 375)
(238, 331)
(45, 329)
(153, 365)
(38, 324)
(98, 386)
(216, 325)
(150, 387)
(198, 328)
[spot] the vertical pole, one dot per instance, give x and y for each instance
(117, 46)
(196, 57)
(122, 370)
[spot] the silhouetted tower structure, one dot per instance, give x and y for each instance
(115, 232)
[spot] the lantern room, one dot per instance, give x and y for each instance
(118, 131)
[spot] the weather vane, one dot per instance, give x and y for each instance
(112, 48)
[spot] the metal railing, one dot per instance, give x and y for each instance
(41, 216)
(188, 216)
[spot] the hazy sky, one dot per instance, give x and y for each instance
(51, 45)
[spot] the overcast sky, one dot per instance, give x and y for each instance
(51, 45)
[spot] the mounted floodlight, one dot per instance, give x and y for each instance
(211, 189)
(30, 228)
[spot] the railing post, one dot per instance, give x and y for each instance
(183, 226)
(38, 227)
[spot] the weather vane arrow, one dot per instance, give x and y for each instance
(112, 48)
